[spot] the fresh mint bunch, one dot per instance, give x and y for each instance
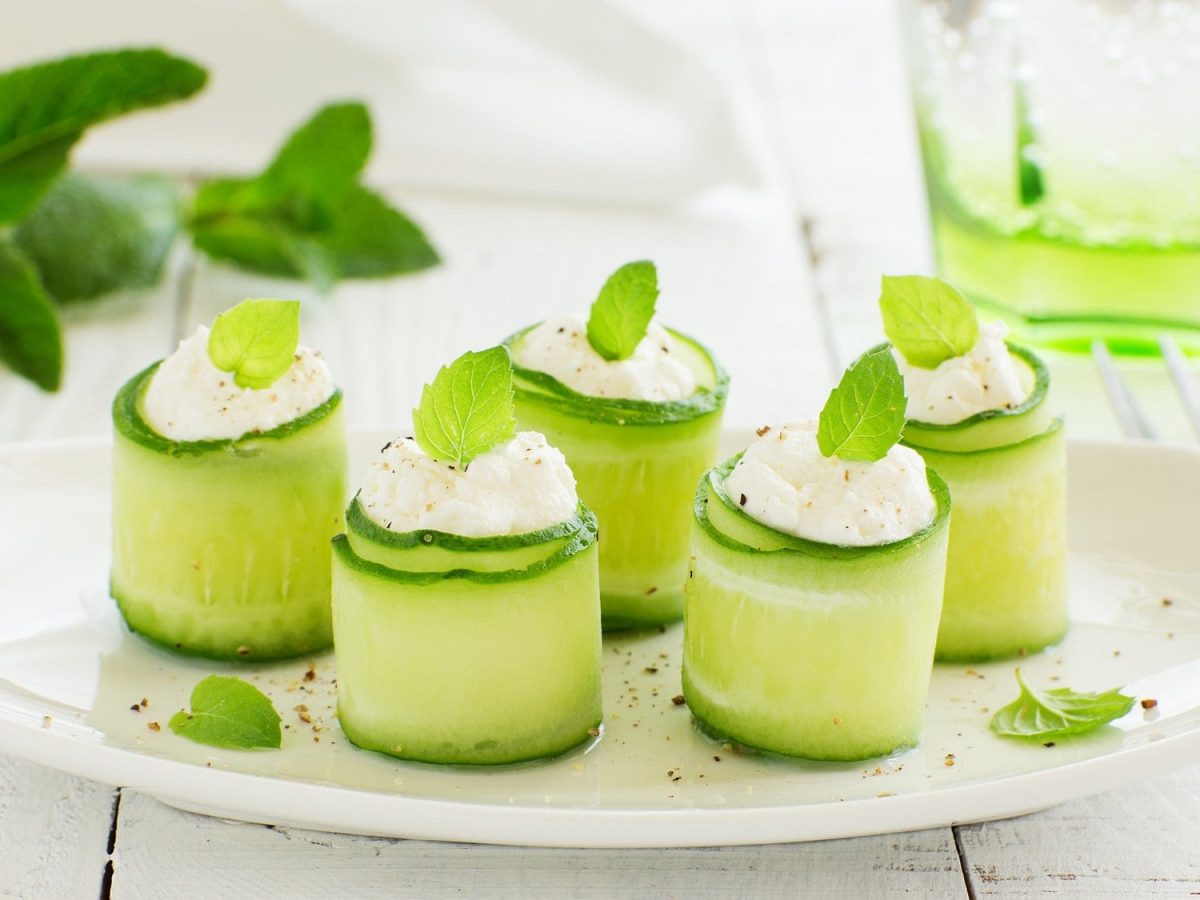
(307, 215)
(44, 110)
(864, 415)
(66, 238)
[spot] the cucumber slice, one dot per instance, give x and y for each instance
(1006, 576)
(221, 548)
(469, 667)
(636, 464)
(993, 427)
(808, 649)
(439, 551)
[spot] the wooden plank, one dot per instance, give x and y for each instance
(53, 831)
(1139, 841)
(168, 853)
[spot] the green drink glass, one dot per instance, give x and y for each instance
(1062, 163)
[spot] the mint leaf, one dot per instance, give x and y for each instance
(229, 712)
(306, 216)
(92, 235)
(864, 415)
(468, 407)
(620, 314)
(256, 341)
(45, 108)
(324, 154)
(30, 339)
(927, 320)
(1058, 712)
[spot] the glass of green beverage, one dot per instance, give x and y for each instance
(1061, 147)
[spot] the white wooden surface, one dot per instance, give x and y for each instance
(800, 267)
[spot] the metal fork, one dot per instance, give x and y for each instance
(1130, 416)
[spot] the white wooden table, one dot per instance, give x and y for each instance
(800, 265)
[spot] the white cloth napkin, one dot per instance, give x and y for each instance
(577, 99)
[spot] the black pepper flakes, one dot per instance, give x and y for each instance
(742, 500)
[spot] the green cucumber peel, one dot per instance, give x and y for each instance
(864, 415)
(468, 407)
(926, 319)
(256, 341)
(361, 524)
(229, 712)
(1058, 712)
(130, 424)
(621, 313)
(540, 387)
(581, 541)
(711, 490)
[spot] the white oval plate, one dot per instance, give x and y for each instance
(69, 673)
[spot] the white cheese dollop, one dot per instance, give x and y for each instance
(520, 486)
(190, 399)
(982, 379)
(783, 481)
(560, 348)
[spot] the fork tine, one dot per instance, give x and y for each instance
(1129, 414)
(1185, 383)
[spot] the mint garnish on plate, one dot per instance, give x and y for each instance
(623, 310)
(468, 407)
(864, 415)
(229, 712)
(926, 319)
(1058, 712)
(256, 341)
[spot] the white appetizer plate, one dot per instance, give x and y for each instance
(69, 673)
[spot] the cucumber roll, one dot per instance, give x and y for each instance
(815, 590)
(225, 497)
(979, 415)
(638, 416)
(465, 590)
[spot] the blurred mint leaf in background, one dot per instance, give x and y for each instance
(92, 235)
(30, 339)
(45, 108)
(306, 215)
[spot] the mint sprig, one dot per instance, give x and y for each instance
(468, 407)
(1058, 713)
(926, 319)
(30, 341)
(45, 108)
(864, 415)
(229, 712)
(620, 314)
(255, 341)
(307, 215)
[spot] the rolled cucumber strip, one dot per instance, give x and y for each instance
(808, 649)
(1006, 575)
(221, 548)
(636, 464)
(470, 666)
